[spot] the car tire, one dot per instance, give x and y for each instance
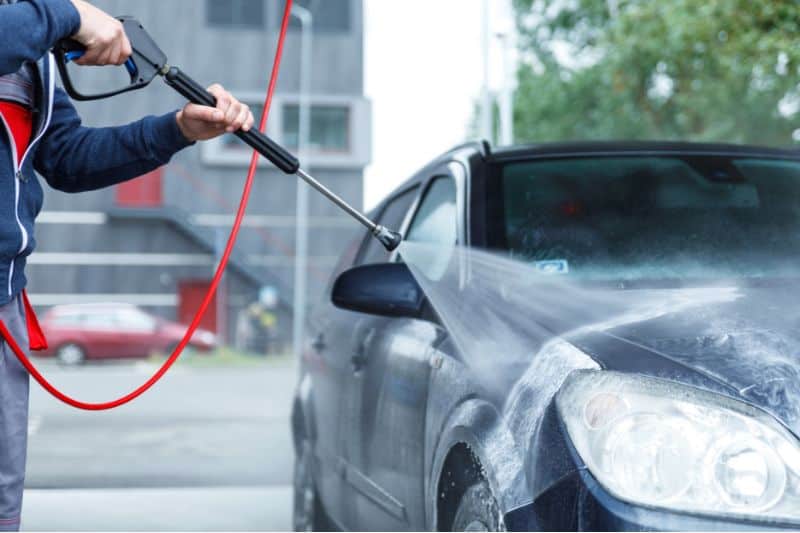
(70, 354)
(478, 510)
(189, 351)
(308, 514)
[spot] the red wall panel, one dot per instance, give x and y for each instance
(144, 191)
(190, 296)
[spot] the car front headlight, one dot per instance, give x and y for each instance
(207, 337)
(658, 443)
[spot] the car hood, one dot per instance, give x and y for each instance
(747, 347)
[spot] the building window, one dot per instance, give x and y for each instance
(330, 128)
(235, 13)
(340, 133)
(332, 16)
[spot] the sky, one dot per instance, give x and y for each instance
(423, 74)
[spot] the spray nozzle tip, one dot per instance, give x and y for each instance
(390, 239)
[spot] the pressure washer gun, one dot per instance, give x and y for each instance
(148, 61)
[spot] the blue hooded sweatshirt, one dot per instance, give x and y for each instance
(70, 157)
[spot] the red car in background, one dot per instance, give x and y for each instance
(76, 333)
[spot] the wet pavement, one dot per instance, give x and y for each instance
(207, 449)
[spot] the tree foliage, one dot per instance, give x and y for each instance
(713, 70)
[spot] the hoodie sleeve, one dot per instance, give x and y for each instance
(75, 158)
(29, 28)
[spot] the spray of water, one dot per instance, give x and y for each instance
(494, 306)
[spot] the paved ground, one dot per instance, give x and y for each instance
(207, 449)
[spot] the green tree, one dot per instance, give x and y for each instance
(709, 70)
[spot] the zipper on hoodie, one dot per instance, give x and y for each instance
(17, 165)
(17, 173)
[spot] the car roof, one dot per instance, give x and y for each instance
(591, 148)
(90, 307)
(587, 149)
(474, 148)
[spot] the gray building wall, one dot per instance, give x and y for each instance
(83, 239)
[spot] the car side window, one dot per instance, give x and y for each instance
(72, 319)
(392, 217)
(100, 320)
(135, 320)
(436, 223)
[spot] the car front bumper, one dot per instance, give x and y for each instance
(579, 503)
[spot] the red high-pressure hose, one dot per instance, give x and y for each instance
(223, 263)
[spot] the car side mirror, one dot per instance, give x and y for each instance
(385, 289)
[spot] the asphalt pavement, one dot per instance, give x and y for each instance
(209, 448)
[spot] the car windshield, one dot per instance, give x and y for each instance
(669, 218)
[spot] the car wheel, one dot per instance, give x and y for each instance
(189, 351)
(71, 354)
(308, 513)
(478, 510)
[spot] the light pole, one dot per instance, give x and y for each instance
(303, 145)
(221, 299)
(506, 103)
(486, 97)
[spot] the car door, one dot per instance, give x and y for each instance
(387, 390)
(101, 334)
(325, 365)
(137, 332)
(329, 360)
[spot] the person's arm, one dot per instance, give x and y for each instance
(28, 29)
(75, 158)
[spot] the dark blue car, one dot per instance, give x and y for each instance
(680, 417)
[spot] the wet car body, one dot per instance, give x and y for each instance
(398, 429)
